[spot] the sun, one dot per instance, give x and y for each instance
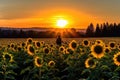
(62, 23)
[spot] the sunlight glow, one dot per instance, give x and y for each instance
(62, 23)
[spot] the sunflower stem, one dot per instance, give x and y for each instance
(40, 74)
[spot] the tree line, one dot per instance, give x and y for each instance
(100, 30)
(71, 33)
(103, 30)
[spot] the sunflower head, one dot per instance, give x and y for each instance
(37, 44)
(90, 63)
(73, 45)
(116, 59)
(29, 41)
(19, 48)
(8, 46)
(38, 61)
(46, 50)
(23, 44)
(51, 64)
(97, 50)
(67, 50)
(61, 48)
(99, 42)
(8, 57)
(51, 45)
(118, 47)
(107, 50)
(31, 50)
(42, 42)
(12, 45)
(86, 43)
(112, 45)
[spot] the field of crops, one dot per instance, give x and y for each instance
(75, 59)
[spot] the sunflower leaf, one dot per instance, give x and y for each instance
(24, 70)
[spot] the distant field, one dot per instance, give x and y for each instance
(5, 41)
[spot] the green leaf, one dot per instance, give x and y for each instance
(11, 77)
(11, 72)
(117, 69)
(86, 71)
(24, 70)
(28, 61)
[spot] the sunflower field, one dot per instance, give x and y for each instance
(37, 60)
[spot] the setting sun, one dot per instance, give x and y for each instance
(62, 23)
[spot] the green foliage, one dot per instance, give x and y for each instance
(68, 66)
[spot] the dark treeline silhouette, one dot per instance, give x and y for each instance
(103, 30)
(100, 30)
(67, 33)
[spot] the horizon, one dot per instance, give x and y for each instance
(77, 13)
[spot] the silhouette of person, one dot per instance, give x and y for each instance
(59, 40)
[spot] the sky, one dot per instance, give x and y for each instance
(44, 13)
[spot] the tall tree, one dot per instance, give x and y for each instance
(90, 30)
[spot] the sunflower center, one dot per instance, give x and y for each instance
(39, 61)
(52, 64)
(112, 45)
(12, 45)
(30, 41)
(46, 51)
(61, 49)
(19, 48)
(98, 42)
(23, 44)
(91, 62)
(51, 45)
(7, 57)
(8, 46)
(86, 42)
(118, 58)
(107, 50)
(74, 45)
(98, 49)
(38, 44)
(31, 49)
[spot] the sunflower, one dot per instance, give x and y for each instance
(8, 46)
(52, 46)
(97, 50)
(99, 42)
(37, 44)
(12, 45)
(90, 63)
(85, 43)
(67, 50)
(51, 64)
(118, 46)
(29, 40)
(23, 44)
(42, 42)
(62, 49)
(116, 59)
(19, 48)
(38, 61)
(46, 50)
(107, 50)
(82, 50)
(73, 45)
(30, 50)
(112, 45)
(8, 57)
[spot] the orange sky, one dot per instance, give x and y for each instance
(45, 13)
(48, 18)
